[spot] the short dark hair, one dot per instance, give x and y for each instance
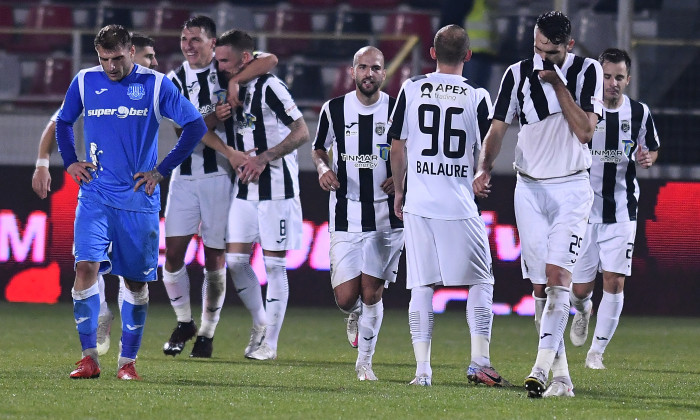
(113, 37)
(142, 41)
(556, 26)
(203, 22)
(616, 55)
(451, 44)
(237, 39)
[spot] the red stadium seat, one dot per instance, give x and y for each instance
(407, 23)
(343, 82)
(393, 85)
(280, 23)
(52, 77)
(166, 19)
(47, 17)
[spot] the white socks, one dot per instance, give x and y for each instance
(213, 294)
(554, 319)
(247, 286)
(420, 321)
(480, 320)
(581, 305)
(177, 285)
(368, 326)
(608, 317)
(277, 297)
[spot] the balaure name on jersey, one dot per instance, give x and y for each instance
(445, 169)
(121, 112)
(608, 156)
(361, 161)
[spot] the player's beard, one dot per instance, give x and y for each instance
(374, 87)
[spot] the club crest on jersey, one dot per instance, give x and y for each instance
(136, 91)
(384, 149)
(379, 128)
(628, 146)
(625, 126)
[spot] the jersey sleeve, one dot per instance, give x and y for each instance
(591, 98)
(280, 101)
(70, 110)
(398, 129)
(505, 106)
(324, 135)
(483, 110)
(647, 134)
(174, 106)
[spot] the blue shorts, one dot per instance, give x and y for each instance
(133, 237)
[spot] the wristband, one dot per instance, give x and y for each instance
(42, 162)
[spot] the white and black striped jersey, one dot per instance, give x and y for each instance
(613, 173)
(199, 86)
(444, 119)
(357, 136)
(268, 108)
(547, 148)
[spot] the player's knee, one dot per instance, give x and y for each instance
(613, 282)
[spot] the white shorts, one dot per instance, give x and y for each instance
(606, 247)
(373, 253)
(551, 220)
(195, 206)
(275, 224)
(446, 252)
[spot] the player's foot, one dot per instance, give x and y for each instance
(104, 326)
(365, 373)
(535, 383)
(594, 360)
(421, 380)
(203, 347)
(264, 352)
(486, 375)
(257, 335)
(579, 328)
(352, 329)
(560, 386)
(87, 369)
(128, 372)
(183, 332)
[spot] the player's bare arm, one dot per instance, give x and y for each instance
(151, 178)
(582, 123)
(489, 151)
(326, 177)
(80, 171)
(41, 180)
(645, 158)
(398, 171)
(212, 140)
(388, 186)
(298, 135)
(262, 64)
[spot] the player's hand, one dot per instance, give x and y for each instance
(549, 76)
(80, 173)
(388, 186)
(232, 97)
(398, 205)
(151, 179)
(41, 181)
(250, 172)
(328, 181)
(644, 157)
(482, 184)
(238, 159)
(223, 111)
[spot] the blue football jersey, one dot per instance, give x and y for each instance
(121, 130)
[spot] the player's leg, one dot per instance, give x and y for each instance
(135, 257)
(182, 219)
(422, 272)
(346, 261)
(583, 281)
(104, 321)
(242, 231)
(214, 212)
(91, 242)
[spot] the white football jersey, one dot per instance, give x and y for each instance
(443, 118)
(199, 86)
(547, 148)
(613, 173)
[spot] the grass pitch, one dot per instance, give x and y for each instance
(653, 371)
